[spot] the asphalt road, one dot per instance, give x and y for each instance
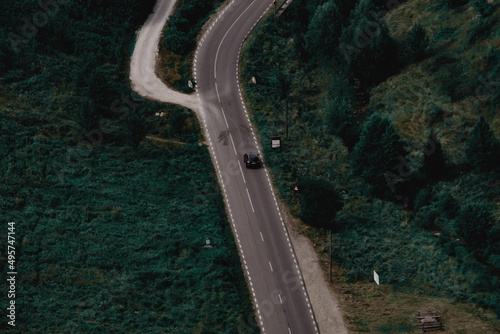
(272, 270)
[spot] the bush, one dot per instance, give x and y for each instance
(473, 223)
(481, 30)
(422, 198)
(483, 148)
(342, 122)
(319, 202)
(447, 205)
(483, 7)
(451, 4)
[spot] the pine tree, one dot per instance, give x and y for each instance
(324, 29)
(418, 43)
(433, 163)
(483, 148)
(341, 121)
(378, 151)
(366, 47)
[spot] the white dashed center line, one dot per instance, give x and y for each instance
(270, 266)
(261, 236)
(232, 142)
(243, 176)
(250, 200)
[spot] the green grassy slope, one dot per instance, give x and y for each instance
(389, 113)
(112, 204)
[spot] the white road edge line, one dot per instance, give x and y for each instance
(224, 37)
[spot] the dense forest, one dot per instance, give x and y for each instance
(110, 194)
(390, 115)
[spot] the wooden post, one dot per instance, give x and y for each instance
(331, 255)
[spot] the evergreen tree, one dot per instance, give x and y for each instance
(418, 43)
(434, 163)
(474, 223)
(137, 130)
(483, 148)
(451, 4)
(282, 84)
(378, 151)
(341, 121)
(324, 29)
(366, 47)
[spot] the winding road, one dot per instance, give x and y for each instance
(276, 283)
(272, 270)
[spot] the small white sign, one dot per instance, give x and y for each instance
(375, 277)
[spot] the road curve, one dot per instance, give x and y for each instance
(143, 62)
(279, 293)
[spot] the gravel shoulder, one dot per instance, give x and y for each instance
(323, 297)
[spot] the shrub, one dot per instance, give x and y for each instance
(447, 205)
(341, 121)
(473, 223)
(319, 202)
(481, 30)
(422, 198)
(483, 148)
(483, 7)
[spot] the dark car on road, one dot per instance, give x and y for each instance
(252, 160)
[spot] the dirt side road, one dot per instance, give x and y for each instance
(142, 67)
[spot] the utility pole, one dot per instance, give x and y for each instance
(331, 255)
(274, 10)
(286, 112)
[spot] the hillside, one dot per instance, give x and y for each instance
(389, 113)
(111, 197)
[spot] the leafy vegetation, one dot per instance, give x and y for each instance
(113, 197)
(399, 116)
(179, 41)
